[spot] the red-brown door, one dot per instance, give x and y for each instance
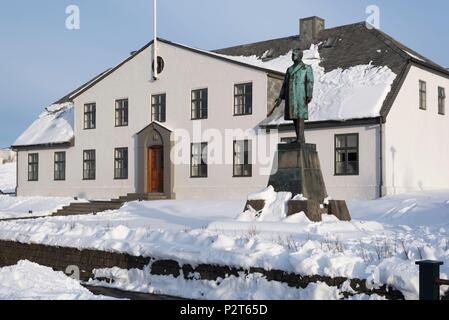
(155, 169)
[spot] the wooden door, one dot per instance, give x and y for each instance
(155, 169)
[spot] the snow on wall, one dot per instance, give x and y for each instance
(342, 94)
(54, 125)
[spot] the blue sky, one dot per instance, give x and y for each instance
(41, 61)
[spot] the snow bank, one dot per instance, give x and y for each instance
(341, 94)
(417, 209)
(30, 281)
(275, 208)
(54, 125)
(245, 287)
(8, 177)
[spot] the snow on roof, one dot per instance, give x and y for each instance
(414, 56)
(54, 125)
(341, 94)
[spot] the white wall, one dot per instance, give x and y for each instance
(416, 147)
(46, 185)
(361, 187)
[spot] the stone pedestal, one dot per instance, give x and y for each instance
(310, 207)
(298, 171)
(339, 209)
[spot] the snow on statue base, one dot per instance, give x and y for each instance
(298, 171)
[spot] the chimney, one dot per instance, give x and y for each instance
(309, 28)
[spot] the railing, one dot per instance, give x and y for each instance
(429, 280)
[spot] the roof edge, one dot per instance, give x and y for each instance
(326, 124)
(41, 146)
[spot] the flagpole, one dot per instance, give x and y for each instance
(155, 73)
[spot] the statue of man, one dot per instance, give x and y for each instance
(297, 91)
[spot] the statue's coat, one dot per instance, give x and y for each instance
(297, 91)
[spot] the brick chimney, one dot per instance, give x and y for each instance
(309, 28)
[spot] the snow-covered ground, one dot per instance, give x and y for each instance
(30, 281)
(21, 207)
(381, 244)
(8, 177)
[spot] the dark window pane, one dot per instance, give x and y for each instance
(121, 163)
(89, 165)
(199, 104)
(33, 167)
(243, 99)
(352, 155)
(198, 167)
(121, 113)
(60, 165)
(341, 141)
(242, 158)
(422, 95)
(158, 108)
(347, 154)
(89, 116)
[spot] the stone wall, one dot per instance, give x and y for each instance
(60, 259)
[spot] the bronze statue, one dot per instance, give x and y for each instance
(297, 91)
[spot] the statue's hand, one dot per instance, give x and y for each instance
(277, 103)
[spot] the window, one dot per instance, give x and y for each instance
(89, 165)
(288, 140)
(90, 116)
(198, 160)
(199, 104)
(158, 107)
(121, 113)
(243, 99)
(422, 95)
(441, 101)
(242, 159)
(59, 166)
(347, 154)
(121, 163)
(33, 167)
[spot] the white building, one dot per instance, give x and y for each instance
(378, 119)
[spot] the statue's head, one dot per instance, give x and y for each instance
(297, 55)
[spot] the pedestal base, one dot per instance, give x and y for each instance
(298, 171)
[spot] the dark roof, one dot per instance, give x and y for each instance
(344, 47)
